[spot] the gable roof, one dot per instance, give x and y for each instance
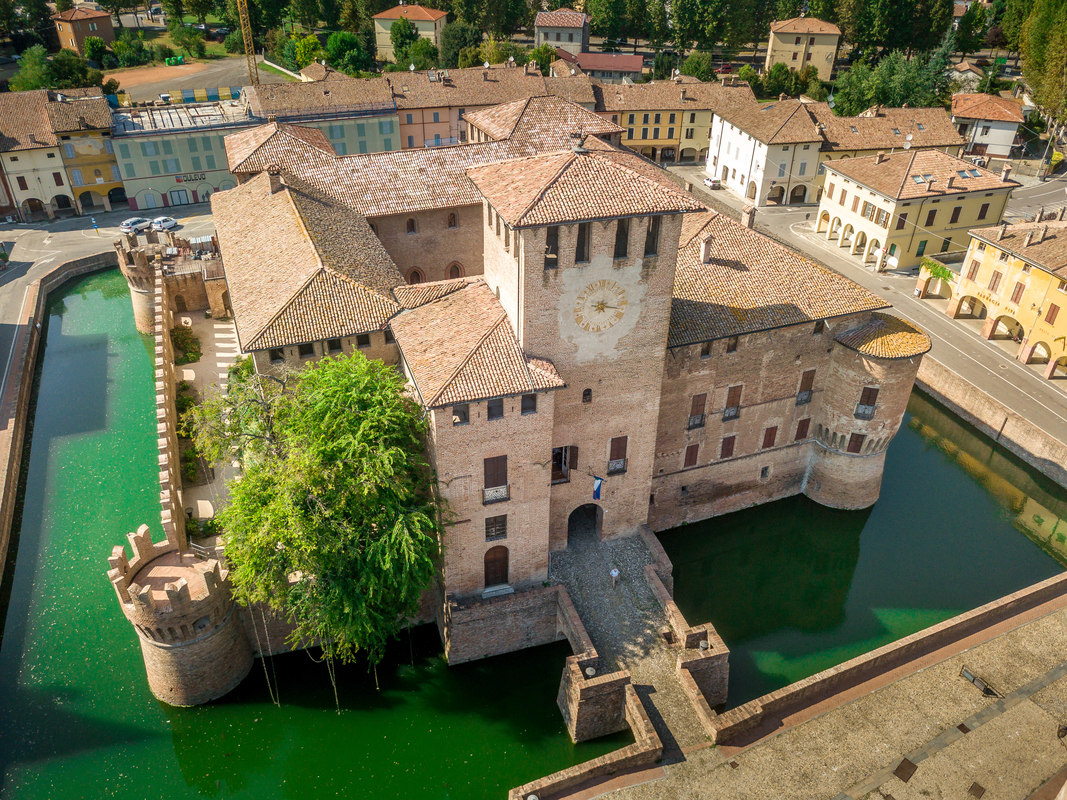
(561, 18)
(79, 115)
(411, 12)
(804, 25)
(470, 87)
(895, 174)
(751, 283)
(527, 117)
(256, 149)
(579, 184)
(365, 95)
(459, 347)
(322, 273)
(80, 13)
(1045, 248)
(618, 62)
(780, 122)
(885, 128)
(322, 72)
(24, 122)
(678, 95)
(577, 88)
(986, 106)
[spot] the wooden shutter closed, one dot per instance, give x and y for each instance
(1017, 293)
(573, 457)
(855, 442)
(727, 447)
(869, 396)
(802, 429)
(994, 282)
(697, 407)
(807, 380)
(691, 455)
(496, 566)
(618, 448)
(496, 472)
(733, 397)
(769, 435)
(1053, 312)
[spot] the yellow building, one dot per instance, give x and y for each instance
(427, 21)
(1014, 278)
(803, 42)
(83, 130)
(891, 210)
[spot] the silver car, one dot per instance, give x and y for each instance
(134, 224)
(164, 223)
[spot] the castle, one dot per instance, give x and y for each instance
(586, 338)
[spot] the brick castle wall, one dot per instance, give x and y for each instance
(434, 246)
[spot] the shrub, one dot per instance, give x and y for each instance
(161, 52)
(749, 76)
(109, 62)
(188, 470)
(234, 43)
(186, 345)
(95, 49)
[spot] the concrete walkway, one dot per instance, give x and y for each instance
(624, 623)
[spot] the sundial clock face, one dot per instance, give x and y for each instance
(600, 305)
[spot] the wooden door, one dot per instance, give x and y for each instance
(496, 566)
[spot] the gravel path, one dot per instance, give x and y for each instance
(624, 624)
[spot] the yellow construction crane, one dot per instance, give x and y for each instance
(250, 48)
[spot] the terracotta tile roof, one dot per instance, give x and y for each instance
(781, 122)
(81, 13)
(411, 12)
(885, 128)
(566, 186)
(254, 150)
(967, 66)
(288, 99)
(1047, 248)
(619, 62)
(419, 294)
(577, 88)
(537, 117)
(986, 106)
(750, 284)
(322, 72)
(561, 18)
(79, 115)
(895, 176)
(472, 87)
(671, 96)
(24, 122)
(886, 336)
(564, 67)
(321, 273)
(460, 348)
(804, 25)
(81, 91)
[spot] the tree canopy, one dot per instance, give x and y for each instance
(402, 34)
(332, 522)
(66, 70)
(920, 82)
(699, 65)
(456, 36)
(1043, 44)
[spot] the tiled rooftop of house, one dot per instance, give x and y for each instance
(986, 107)
(560, 18)
(459, 346)
(322, 273)
(80, 13)
(577, 184)
(288, 146)
(316, 71)
(577, 88)
(677, 95)
(804, 25)
(411, 11)
(781, 122)
(616, 62)
(562, 67)
(886, 336)
(471, 87)
(79, 115)
(372, 94)
(24, 122)
(1043, 244)
(913, 174)
(885, 128)
(750, 283)
(536, 116)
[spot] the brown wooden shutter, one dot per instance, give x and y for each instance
(972, 273)
(727, 447)
(496, 566)
(1017, 293)
(956, 214)
(802, 429)
(496, 472)
(855, 203)
(697, 407)
(618, 448)
(807, 380)
(733, 397)
(983, 211)
(900, 221)
(1053, 311)
(994, 282)
(691, 455)
(930, 217)
(769, 435)
(573, 463)
(855, 442)
(869, 396)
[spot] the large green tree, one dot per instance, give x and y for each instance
(454, 37)
(1043, 45)
(700, 65)
(402, 34)
(33, 70)
(66, 70)
(970, 33)
(608, 17)
(332, 523)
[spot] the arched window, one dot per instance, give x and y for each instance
(411, 225)
(587, 396)
(452, 220)
(415, 276)
(496, 566)
(455, 270)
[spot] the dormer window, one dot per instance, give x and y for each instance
(918, 178)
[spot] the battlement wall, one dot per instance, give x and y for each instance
(172, 513)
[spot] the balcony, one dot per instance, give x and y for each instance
(617, 466)
(864, 412)
(696, 421)
(733, 412)
(496, 494)
(803, 398)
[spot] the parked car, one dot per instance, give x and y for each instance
(222, 33)
(712, 183)
(134, 224)
(725, 69)
(164, 223)
(200, 27)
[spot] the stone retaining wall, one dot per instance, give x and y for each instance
(1038, 448)
(852, 673)
(18, 381)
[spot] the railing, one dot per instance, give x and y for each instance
(495, 494)
(803, 398)
(617, 466)
(864, 412)
(696, 421)
(733, 412)
(442, 142)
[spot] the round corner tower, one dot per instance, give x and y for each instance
(140, 274)
(193, 643)
(872, 372)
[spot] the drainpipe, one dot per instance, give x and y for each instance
(744, 192)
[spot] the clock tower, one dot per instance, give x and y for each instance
(580, 247)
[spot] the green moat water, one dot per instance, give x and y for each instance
(76, 717)
(794, 588)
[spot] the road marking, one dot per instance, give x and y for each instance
(14, 340)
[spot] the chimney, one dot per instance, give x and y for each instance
(683, 95)
(878, 159)
(1029, 238)
(275, 173)
(82, 123)
(485, 75)
(1063, 212)
(783, 96)
(1041, 233)
(748, 216)
(1000, 233)
(705, 249)
(1006, 173)
(950, 177)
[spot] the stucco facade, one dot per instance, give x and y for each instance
(427, 21)
(38, 182)
(804, 42)
(92, 170)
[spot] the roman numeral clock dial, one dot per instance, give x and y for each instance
(600, 306)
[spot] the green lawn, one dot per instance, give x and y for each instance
(272, 69)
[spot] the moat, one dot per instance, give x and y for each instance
(792, 587)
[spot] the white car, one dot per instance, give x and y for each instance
(134, 224)
(164, 223)
(712, 183)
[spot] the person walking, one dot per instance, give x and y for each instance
(614, 576)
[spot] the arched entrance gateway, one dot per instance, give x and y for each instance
(585, 521)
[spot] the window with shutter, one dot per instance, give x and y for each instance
(930, 217)
(868, 400)
(994, 282)
(68, 150)
(901, 220)
(807, 380)
(76, 177)
(972, 271)
(727, 449)
(983, 211)
(496, 528)
(1017, 293)
(1053, 312)
(855, 442)
(733, 403)
(496, 479)
(855, 203)
(769, 435)
(58, 178)
(696, 411)
(691, 455)
(802, 430)
(617, 456)
(956, 214)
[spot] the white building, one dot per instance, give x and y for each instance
(564, 29)
(989, 123)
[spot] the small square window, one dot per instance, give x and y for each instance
(461, 414)
(277, 356)
(333, 346)
(705, 350)
(362, 340)
(496, 408)
(529, 404)
(389, 338)
(496, 528)
(731, 344)
(306, 350)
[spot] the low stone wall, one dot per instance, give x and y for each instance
(862, 668)
(660, 560)
(18, 381)
(646, 750)
(483, 628)
(1038, 448)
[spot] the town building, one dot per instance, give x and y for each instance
(965, 76)
(1012, 286)
(31, 157)
(894, 209)
(605, 348)
(83, 128)
(606, 67)
(804, 42)
(565, 29)
(316, 71)
(427, 21)
(76, 24)
(989, 124)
